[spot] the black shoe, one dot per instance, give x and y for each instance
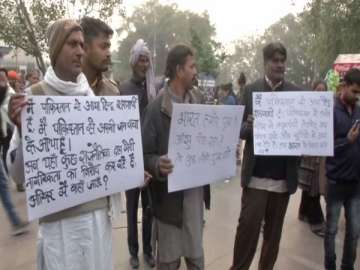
(21, 228)
(134, 262)
(149, 259)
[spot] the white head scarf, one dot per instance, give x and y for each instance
(140, 48)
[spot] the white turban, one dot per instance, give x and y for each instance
(140, 48)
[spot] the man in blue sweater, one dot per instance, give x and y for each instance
(343, 173)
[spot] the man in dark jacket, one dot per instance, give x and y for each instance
(343, 173)
(267, 181)
(142, 85)
(178, 216)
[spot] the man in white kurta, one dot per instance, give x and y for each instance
(78, 238)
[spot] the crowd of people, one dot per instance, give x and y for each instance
(80, 238)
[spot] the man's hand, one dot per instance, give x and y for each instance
(249, 121)
(147, 179)
(16, 104)
(165, 165)
(353, 133)
(238, 151)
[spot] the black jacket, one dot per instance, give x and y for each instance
(250, 161)
(138, 88)
(344, 166)
(167, 207)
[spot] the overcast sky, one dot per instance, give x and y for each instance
(235, 18)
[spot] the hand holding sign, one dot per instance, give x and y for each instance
(16, 104)
(165, 165)
(293, 123)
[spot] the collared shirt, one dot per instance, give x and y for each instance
(102, 86)
(273, 86)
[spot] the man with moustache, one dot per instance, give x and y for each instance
(78, 238)
(267, 181)
(141, 84)
(178, 216)
(97, 57)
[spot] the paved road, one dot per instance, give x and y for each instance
(300, 249)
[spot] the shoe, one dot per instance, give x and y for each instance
(134, 262)
(319, 231)
(149, 259)
(20, 187)
(21, 228)
(303, 218)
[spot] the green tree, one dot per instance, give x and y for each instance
(289, 30)
(209, 55)
(334, 28)
(162, 27)
(242, 59)
(24, 22)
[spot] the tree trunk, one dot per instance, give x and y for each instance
(40, 63)
(31, 35)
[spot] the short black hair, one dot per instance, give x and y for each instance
(274, 47)
(352, 76)
(5, 71)
(177, 57)
(93, 28)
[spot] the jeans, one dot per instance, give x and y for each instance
(347, 195)
(6, 199)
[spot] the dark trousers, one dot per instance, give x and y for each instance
(338, 195)
(310, 208)
(132, 203)
(256, 206)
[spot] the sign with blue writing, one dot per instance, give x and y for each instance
(77, 149)
(202, 144)
(293, 123)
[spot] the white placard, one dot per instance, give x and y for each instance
(293, 123)
(202, 144)
(77, 149)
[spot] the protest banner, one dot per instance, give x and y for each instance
(77, 149)
(293, 123)
(202, 144)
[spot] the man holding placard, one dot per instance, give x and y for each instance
(83, 231)
(178, 216)
(267, 181)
